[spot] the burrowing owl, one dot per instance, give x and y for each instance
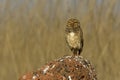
(74, 36)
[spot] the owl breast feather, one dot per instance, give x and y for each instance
(73, 40)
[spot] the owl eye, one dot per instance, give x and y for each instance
(68, 30)
(75, 24)
(77, 29)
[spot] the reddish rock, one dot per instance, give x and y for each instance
(65, 68)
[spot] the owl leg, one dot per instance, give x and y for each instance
(79, 51)
(74, 51)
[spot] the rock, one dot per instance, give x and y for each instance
(65, 68)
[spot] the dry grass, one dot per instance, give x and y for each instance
(32, 36)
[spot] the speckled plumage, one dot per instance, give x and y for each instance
(74, 36)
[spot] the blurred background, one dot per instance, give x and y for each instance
(32, 34)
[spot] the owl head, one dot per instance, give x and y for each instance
(73, 25)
